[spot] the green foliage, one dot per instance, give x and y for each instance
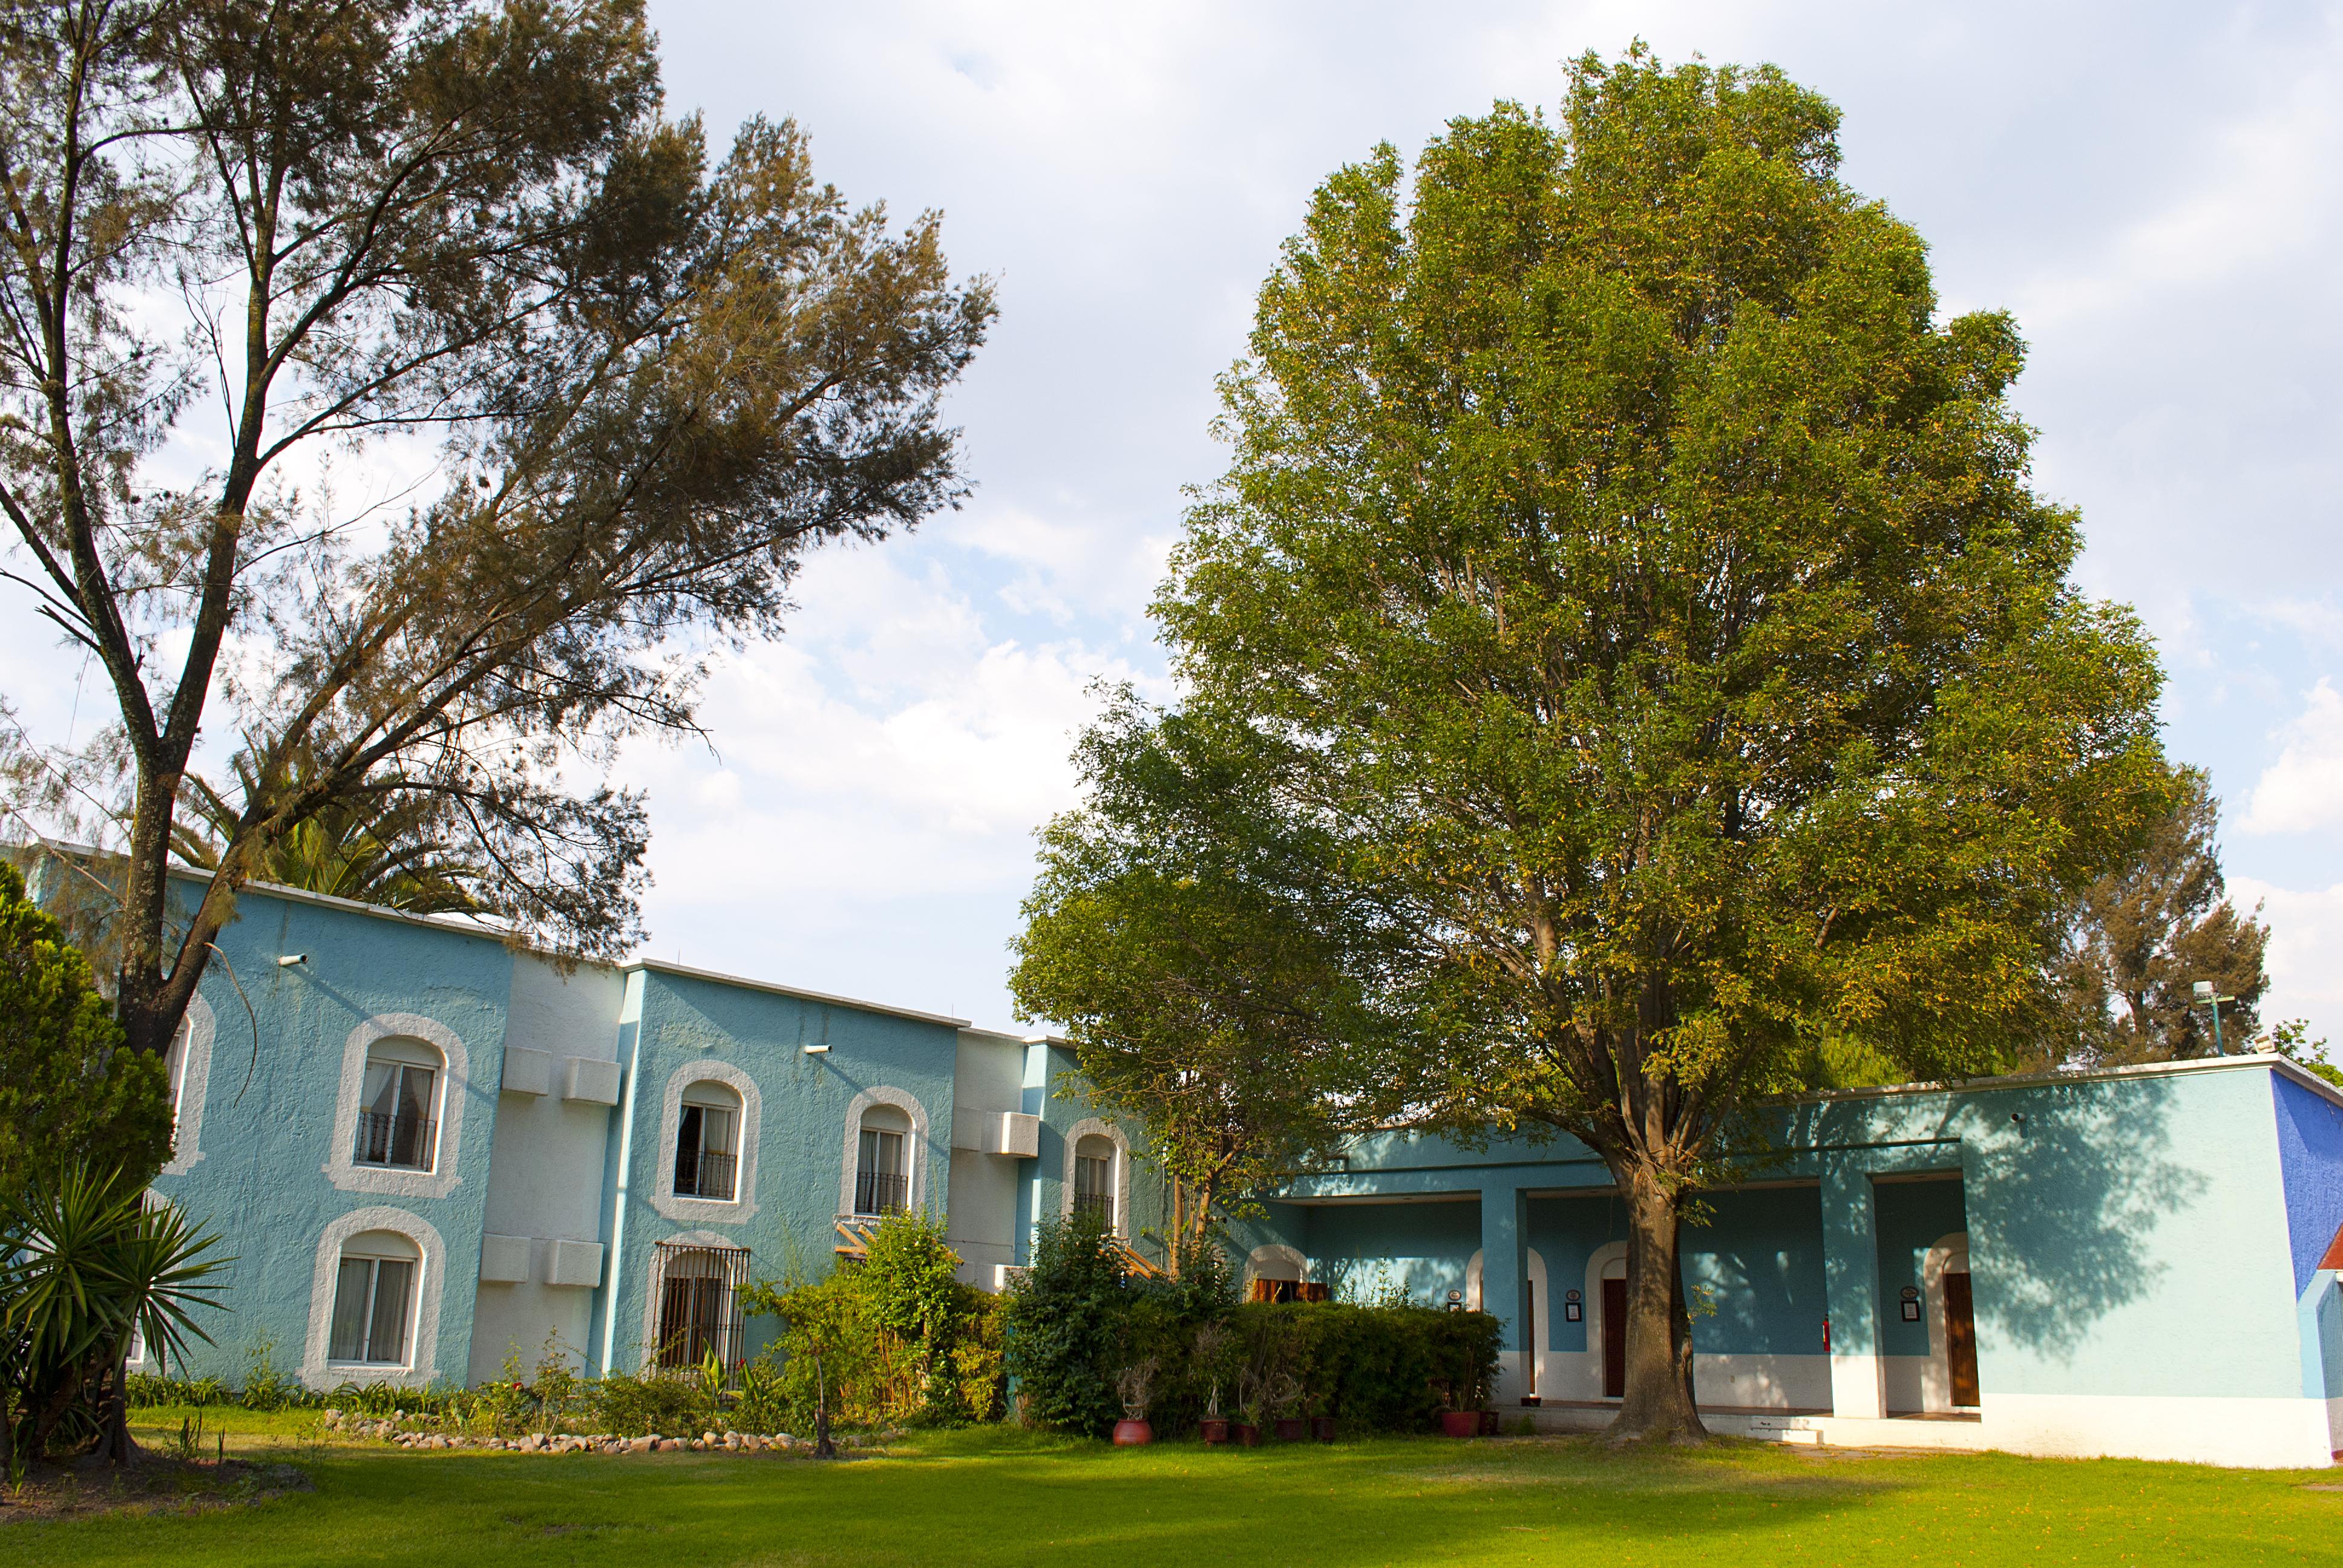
(652, 1402)
(653, 376)
(68, 1089)
(1068, 1327)
(894, 1337)
(1219, 989)
(264, 1387)
(2134, 942)
(85, 1262)
(1631, 584)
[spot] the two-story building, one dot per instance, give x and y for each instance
(428, 1149)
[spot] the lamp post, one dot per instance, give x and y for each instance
(2205, 997)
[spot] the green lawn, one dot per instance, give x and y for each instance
(976, 1498)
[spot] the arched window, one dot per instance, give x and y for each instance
(707, 1142)
(398, 1124)
(699, 1302)
(1095, 1183)
(882, 1177)
(373, 1301)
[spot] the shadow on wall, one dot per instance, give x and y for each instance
(1389, 1282)
(2064, 1207)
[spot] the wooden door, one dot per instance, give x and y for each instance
(1614, 1339)
(1960, 1338)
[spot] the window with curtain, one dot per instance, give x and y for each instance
(699, 1310)
(882, 1182)
(398, 1125)
(707, 1143)
(1094, 1177)
(374, 1300)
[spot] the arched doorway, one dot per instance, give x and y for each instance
(1951, 1380)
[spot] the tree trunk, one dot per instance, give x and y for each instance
(1659, 1405)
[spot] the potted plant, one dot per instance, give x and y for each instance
(1284, 1395)
(1211, 1358)
(1250, 1405)
(1135, 1385)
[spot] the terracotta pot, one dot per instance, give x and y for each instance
(1214, 1429)
(1246, 1436)
(1322, 1427)
(1489, 1423)
(1132, 1435)
(1460, 1422)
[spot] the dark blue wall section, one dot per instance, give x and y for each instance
(1912, 1216)
(2311, 1156)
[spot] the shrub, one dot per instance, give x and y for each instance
(893, 1336)
(654, 1401)
(1068, 1325)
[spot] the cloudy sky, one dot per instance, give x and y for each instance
(2150, 188)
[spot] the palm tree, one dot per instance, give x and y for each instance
(385, 849)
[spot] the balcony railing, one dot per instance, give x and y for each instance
(396, 1139)
(880, 1192)
(1098, 1203)
(707, 1174)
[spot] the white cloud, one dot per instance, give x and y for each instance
(2303, 790)
(2304, 958)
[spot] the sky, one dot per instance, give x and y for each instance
(2149, 188)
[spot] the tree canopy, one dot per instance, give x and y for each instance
(1638, 581)
(246, 251)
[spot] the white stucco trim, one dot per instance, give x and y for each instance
(1950, 1255)
(447, 1110)
(1093, 1126)
(707, 1210)
(904, 1100)
(423, 1362)
(1264, 1261)
(194, 1082)
(647, 1347)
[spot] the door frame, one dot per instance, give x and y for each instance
(1949, 1255)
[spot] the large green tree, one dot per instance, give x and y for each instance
(1640, 577)
(610, 396)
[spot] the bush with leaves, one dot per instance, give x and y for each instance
(1069, 1326)
(891, 1337)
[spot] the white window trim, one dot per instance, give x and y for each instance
(648, 1360)
(195, 1081)
(1092, 1127)
(916, 1149)
(742, 1205)
(447, 1109)
(423, 1357)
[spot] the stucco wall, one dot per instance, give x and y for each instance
(270, 1120)
(688, 1019)
(545, 1178)
(2310, 1154)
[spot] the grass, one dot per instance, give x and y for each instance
(970, 1499)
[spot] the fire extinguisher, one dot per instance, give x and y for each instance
(1825, 1336)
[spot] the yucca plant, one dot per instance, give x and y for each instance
(84, 1262)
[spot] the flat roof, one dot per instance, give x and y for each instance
(2259, 1059)
(477, 929)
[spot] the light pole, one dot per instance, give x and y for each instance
(2203, 992)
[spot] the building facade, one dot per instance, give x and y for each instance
(2137, 1261)
(430, 1152)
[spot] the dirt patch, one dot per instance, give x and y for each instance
(150, 1483)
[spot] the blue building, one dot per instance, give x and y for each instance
(429, 1151)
